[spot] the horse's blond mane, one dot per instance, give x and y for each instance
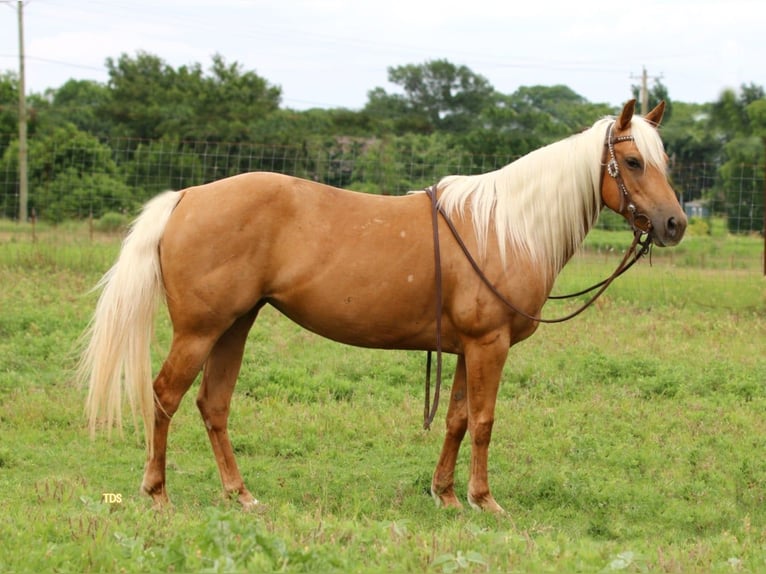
(545, 202)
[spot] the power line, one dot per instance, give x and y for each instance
(57, 62)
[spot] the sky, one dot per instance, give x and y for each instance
(331, 53)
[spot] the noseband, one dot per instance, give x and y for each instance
(639, 222)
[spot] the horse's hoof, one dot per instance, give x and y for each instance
(446, 499)
(486, 504)
(252, 505)
(249, 503)
(159, 496)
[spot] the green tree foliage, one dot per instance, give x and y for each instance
(742, 181)
(9, 107)
(729, 116)
(9, 110)
(150, 99)
(230, 101)
(396, 165)
(142, 89)
(529, 118)
(694, 150)
(438, 95)
(153, 126)
(81, 103)
(160, 165)
(741, 118)
(554, 112)
(71, 175)
(394, 114)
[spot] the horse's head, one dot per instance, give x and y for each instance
(634, 180)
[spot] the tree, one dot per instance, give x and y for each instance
(150, 99)
(741, 119)
(438, 95)
(728, 115)
(230, 102)
(71, 175)
(392, 112)
(528, 119)
(160, 165)
(553, 112)
(81, 103)
(695, 152)
(142, 89)
(9, 108)
(396, 165)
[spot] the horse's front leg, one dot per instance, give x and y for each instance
(443, 482)
(485, 359)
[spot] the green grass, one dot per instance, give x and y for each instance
(711, 251)
(629, 439)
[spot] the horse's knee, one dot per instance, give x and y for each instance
(457, 419)
(481, 431)
(457, 424)
(203, 406)
(214, 419)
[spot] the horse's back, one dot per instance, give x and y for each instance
(284, 199)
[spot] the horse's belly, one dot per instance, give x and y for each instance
(387, 322)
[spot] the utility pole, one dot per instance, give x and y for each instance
(644, 94)
(23, 182)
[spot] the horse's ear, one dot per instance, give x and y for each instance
(655, 116)
(626, 115)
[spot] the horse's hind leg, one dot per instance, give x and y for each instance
(443, 482)
(183, 363)
(220, 376)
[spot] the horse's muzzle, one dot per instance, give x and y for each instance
(670, 231)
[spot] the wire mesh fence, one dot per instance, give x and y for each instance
(74, 177)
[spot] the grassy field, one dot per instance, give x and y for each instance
(629, 439)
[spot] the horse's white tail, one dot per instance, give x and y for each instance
(117, 355)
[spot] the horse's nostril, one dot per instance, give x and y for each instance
(672, 227)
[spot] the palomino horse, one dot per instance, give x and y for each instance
(360, 269)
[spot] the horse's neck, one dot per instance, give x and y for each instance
(541, 205)
(572, 248)
(563, 204)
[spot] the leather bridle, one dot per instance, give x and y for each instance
(639, 222)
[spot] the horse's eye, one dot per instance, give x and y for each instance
(633, 162)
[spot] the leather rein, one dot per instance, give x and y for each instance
(639, 222)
